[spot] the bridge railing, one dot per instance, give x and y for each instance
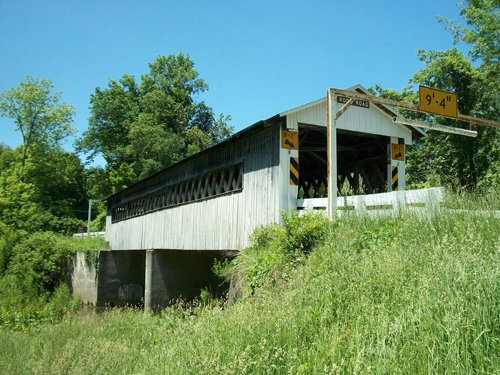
(92, 234)
(425, 200)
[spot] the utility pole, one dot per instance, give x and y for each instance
(90, 212)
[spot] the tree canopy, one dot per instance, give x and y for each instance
(482, 32)
(142, 127)
(41, 185)
(38, 115)
(454, 160)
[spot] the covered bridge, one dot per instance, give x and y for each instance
(167, 228)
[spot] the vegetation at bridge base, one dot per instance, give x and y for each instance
(33, 276)
(274, 251)
(33, 286)
(403, 295)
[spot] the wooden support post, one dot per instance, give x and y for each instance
(396, 169)
(398, 202)
(288, 199)
(356, 181)
(360, 205)
(366, 180)
(432, 202)
(331, 121)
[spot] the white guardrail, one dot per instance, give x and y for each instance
(92, 234)
(425, 200)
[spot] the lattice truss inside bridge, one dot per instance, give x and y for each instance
(207, 185)
(361, 162)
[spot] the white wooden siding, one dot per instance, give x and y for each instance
(365, 120)
(219, 223)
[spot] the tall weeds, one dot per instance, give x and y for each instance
(404, 295)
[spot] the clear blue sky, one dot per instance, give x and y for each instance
(259, 57)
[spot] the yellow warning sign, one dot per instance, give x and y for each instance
(398, 152)
(289, 140)
(438, 102)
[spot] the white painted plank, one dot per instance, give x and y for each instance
(217, 223)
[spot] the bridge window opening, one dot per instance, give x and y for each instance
(361, 162)
(208, 185)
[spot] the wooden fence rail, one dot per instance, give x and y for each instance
(425, 200)
(92, 234)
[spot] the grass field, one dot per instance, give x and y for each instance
(404, 295)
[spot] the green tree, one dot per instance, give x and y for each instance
(113, 111)
(96, 183)
(41, 185)
(482, 32)
(466, 162)
(38, 115)
(143, 127)
(461, 162)
(7, 157)
(42, 258)
(45, 194)
(58, 177)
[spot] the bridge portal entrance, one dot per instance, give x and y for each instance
(362, 161)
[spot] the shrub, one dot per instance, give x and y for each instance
(33, 290)
(21, 308)
(8, 239)
(302, 233)
(42, 258)
(275, 250)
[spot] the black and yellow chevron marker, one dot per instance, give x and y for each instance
(394, 178)
(294, 171)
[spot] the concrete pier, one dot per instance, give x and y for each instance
(148, 279)
(175, 274)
